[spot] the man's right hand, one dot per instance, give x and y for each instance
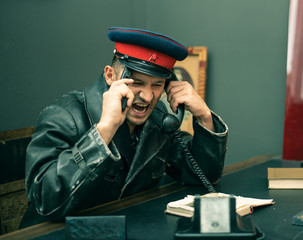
(112, 116)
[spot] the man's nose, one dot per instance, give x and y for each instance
(147, 94)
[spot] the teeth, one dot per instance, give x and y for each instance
(136, 110)
(141, 104)
(140, 107)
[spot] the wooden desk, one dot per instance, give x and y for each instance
(145, 211)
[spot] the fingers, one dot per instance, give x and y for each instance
(122, 96)
(121, 88)
(130, 98)
(112, 102)
(179, 93)
(177, 85)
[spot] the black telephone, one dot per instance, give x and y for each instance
(216, 218)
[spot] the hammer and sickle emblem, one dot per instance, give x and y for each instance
(153, 57)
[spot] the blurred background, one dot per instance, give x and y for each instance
(51, 47)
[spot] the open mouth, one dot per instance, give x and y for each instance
(140, 107)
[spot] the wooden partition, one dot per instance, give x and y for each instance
(13, 200)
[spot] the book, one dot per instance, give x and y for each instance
(244, 205)
(285, 178)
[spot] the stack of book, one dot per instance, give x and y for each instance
(285, 178)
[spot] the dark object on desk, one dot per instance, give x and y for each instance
(215, 218)
(96, 227)
(298, 219)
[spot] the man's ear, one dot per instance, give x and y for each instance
(109, 74)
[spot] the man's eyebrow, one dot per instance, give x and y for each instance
(156, 82)
(160, 81)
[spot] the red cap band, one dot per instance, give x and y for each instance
(146, 54)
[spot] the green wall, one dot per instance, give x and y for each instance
(48, 48)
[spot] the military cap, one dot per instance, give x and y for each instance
(145, 51)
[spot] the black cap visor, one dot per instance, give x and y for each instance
(144, 66)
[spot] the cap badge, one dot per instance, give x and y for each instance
(153, 57)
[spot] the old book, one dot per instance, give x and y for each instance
(285, 178)
(244, 205)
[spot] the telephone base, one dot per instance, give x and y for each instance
(244, 229)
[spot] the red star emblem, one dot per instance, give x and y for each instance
(153, 57)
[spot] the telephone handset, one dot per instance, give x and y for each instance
(168, 122)
(171, 123)
(127, 72)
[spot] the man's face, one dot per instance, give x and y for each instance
(147, 90)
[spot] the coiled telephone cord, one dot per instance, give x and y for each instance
(195, 165)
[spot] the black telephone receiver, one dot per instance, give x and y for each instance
(127, 72)
(171, 122)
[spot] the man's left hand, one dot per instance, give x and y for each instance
(182, 92)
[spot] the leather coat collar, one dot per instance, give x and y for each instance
(93, 99)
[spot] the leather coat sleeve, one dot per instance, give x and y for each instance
(207, 148)
(61, 163)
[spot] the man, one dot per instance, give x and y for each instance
(89, 149)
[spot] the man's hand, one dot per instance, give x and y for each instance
(181, 92)
(112, 116)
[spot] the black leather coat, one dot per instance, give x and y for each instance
(69, 167)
